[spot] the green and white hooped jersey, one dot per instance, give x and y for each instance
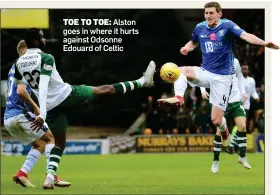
(34, 63)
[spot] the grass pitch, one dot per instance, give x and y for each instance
(142, 174)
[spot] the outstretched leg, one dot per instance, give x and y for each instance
(123, 87)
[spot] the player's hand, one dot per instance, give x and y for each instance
(184, 51)
(37, 124)
(258, 100)
(244, 97)
(205, 95)
(271, 45)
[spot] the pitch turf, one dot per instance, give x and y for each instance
(142, 174)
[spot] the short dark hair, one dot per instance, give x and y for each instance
(213, 4)
(30, 36)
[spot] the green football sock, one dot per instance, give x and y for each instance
(55, 156)
(126, 86)
(217, 147)
(233, 141)
(242, 143)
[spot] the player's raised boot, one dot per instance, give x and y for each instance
(174, 102)
(215, 167)
(60, 183)
(244, 162)
(48, 183)
(225, 137)
(149, 75)
(22, 179)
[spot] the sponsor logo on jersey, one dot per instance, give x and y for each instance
(203, 36)
(47, 67)
(221, 32)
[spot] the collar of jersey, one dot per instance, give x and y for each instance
(220, 22)
(32, 50)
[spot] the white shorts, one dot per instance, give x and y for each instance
(19, 127)
(220, 86)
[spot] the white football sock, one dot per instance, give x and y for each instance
(48, 149)
(180, 85)
(31, 159)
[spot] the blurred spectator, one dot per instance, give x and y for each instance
(147, 131)
(175, 131)
(182, 122)
(203, 118)
(261, 124)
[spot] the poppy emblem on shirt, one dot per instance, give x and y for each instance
(213, 37)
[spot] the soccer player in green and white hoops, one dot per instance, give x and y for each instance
(235, 107)
(55, 96)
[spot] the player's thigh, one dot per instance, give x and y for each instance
(220, 87)
(80, 94)
(239, 115)
(201, 77)
(20, 128)
(58, 123)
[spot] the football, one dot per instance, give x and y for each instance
(169, 72)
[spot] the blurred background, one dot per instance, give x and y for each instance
(161, 35)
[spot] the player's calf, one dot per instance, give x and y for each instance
(220, 122)
(32, 158)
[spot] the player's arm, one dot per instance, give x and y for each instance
(240, 79)
(250, 38)
(17, 76)
(24, 95)
(255, 95)
(46, 71)
(204, 93)
(192, 44)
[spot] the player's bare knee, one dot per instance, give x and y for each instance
(48, 137)
(188, 71)
(241, 127)
(216, 120)
(39, 145)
